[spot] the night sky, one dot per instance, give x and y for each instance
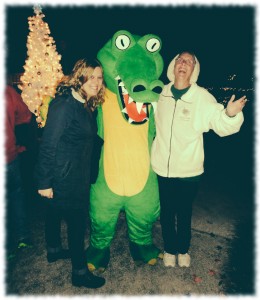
(222, 37)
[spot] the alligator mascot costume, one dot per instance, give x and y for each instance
(132, 67)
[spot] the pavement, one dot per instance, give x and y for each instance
(212, 272)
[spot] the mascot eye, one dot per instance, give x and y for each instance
(122, 42)
(153, 45)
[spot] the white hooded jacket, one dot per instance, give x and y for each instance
(178, 150)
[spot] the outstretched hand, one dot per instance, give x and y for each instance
(235, 106)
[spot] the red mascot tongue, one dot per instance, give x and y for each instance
(132, 110)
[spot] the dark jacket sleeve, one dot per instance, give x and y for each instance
(58, 118)
(96, 154)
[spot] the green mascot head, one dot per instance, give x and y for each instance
(132, 67)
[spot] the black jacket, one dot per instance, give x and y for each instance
(66, 152)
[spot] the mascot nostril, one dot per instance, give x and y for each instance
(139, 88)
(157, 89)
(126, 181)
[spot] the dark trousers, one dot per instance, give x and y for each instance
(76, 227)
(16, 221)
(176, 198)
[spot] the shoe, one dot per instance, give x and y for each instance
(169, 260)
(88, 280)
(184, 260)
(62, 254)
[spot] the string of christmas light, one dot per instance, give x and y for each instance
(42, 67)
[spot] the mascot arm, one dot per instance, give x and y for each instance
(152, 128)
(100, 122)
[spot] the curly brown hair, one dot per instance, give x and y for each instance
(80, 74)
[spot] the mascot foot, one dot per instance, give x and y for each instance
(92, 268)
(152, 262)
(97, 259)
(160, 255)
(101, 270)
(138, 263)
(147, 254)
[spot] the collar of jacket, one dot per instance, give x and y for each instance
(77, 96)
(187, 97)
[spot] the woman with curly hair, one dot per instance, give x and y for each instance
(64, 165)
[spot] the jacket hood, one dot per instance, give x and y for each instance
(194, 76)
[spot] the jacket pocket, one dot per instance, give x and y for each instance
(66, 169)
(62, 170)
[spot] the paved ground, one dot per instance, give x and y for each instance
(212, 271)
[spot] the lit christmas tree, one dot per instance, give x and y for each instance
(42, 68)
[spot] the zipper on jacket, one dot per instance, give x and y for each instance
(168, 165)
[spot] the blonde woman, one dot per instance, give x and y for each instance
(64, 165)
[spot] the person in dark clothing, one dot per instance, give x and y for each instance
(17, 113)
(64, 165)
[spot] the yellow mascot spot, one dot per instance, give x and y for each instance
(91, 267)
(152, 261)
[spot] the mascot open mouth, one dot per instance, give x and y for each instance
(134, 112)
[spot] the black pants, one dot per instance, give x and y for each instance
(176, 198)
(76, 227)
(17, 219)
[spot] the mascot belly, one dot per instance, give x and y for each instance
(132, 67)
